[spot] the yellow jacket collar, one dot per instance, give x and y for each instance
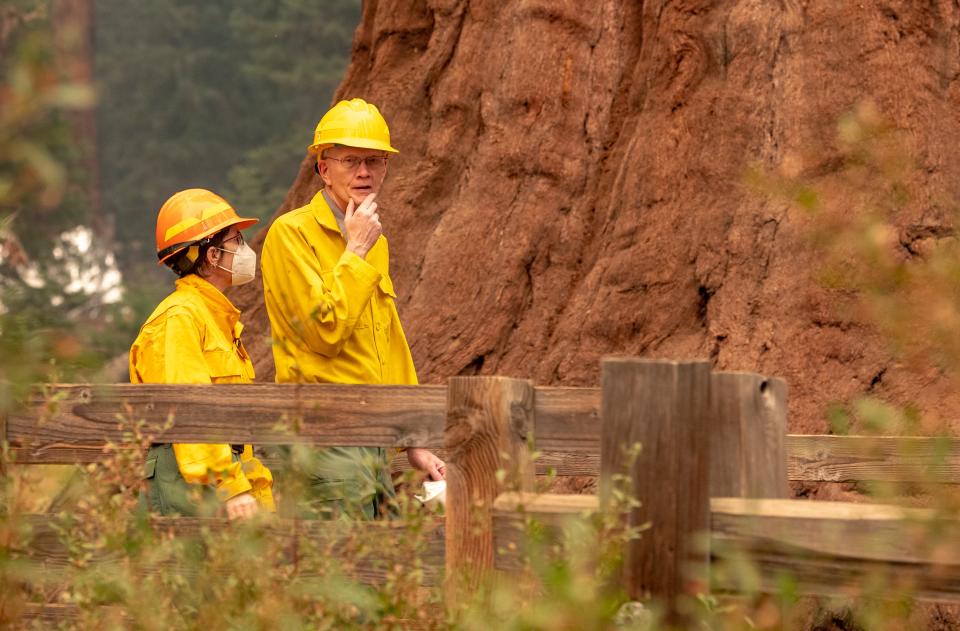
(214, 299)
(323, 212)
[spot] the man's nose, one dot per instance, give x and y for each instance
(362, 169)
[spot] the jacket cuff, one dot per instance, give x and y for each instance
(233, 487)
(363, 271)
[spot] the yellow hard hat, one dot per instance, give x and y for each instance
(189, 217)
(354, 123)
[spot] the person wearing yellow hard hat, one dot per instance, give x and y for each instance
(193, 336)
(330, 300)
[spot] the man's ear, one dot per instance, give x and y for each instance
(321, 168)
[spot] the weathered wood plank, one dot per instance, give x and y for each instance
(53, 615)
(831, 548)
(511, 511)
(748, 423)
(664, 406)
(567, 426)
(489, 430)
(826, 548)
(554, 462)
(79, 419)
(833, 577)
(842, 529)
(880, 458)
(568, 420)
(46, 545)
(809, 458)
(559, 463)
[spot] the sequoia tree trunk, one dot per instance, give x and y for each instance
(571, 181)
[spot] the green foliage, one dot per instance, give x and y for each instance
(40, 308)
(219, 94)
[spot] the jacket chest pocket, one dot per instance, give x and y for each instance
(224, 365)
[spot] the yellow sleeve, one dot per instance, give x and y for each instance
(261, 480)
(321, 307)
(170, 351)
(212, 464)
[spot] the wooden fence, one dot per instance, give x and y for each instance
(715, 459)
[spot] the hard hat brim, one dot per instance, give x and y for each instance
(242, 223)
(359, 143)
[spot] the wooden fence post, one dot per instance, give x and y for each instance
(663, 405)
(489, 429)
(748, 426)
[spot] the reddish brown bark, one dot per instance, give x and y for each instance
(571, 181)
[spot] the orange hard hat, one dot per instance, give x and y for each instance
(189, 217)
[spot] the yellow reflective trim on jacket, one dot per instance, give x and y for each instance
(193, 336)
(332, 314)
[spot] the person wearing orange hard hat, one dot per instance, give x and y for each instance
(193, 336)
(330, 300)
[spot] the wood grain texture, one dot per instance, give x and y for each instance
(827, 548)
(75, 429)
(77, 420)
(54, 614)
(551, 513)
(568, 420)
(748, 426)
(881, 458)
(809, 458)
(489, 429)
(51, 615)
(47, 547)
(663, 405)
(832, 548)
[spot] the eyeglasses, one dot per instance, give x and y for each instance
(352, 163)
(237, 237)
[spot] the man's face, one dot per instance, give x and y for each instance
(352, 173)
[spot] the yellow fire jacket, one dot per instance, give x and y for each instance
(332, 313)
(193, 336)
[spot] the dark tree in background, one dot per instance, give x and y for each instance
(216, 94)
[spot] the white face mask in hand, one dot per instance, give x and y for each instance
(244, 265)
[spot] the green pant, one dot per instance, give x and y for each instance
(167, 493)
(333, 482)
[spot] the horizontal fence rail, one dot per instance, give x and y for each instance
(84, 417)
(873, 458)
(72, 423)
(47, 544)
(827, 548)
(495, 433)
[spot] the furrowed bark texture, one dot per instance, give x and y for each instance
(571, 182)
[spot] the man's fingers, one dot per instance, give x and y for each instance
(368, 202)
(368, 210)
(350, 208)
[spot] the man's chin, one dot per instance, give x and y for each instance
(358, 197)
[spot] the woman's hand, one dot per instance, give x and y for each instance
(241, 506)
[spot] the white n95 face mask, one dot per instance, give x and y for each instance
(244, 267)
